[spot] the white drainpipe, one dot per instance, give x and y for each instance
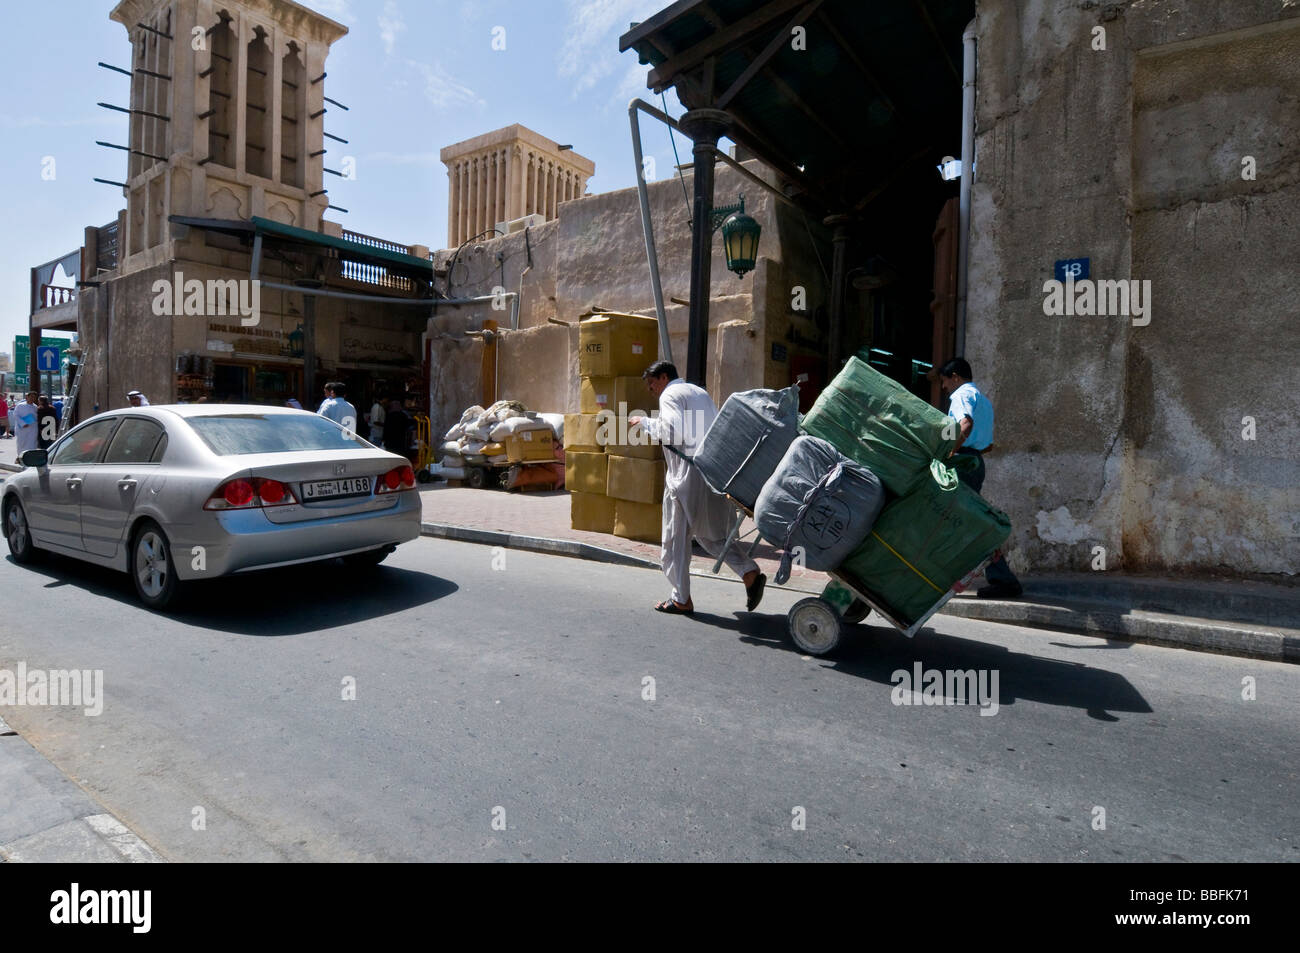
(967, 175)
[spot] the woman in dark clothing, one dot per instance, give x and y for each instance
(47, 423)
(396, 429)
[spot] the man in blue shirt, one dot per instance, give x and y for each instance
(337, 407)
(974, 415)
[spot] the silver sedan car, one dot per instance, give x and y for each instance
(176, 493)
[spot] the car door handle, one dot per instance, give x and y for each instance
(125, 484)
(73, 482)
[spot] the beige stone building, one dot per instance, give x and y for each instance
(507, 175)
(225, 197)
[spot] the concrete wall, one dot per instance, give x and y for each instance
(1110, 434)
(594, 255)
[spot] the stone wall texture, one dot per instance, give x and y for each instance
(1110, 434)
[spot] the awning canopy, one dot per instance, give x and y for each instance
(396, 262)
(838, 107)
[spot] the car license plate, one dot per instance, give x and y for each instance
(329, 489)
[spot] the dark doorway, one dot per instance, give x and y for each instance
(230, 384)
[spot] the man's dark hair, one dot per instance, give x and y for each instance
(340, 389)
(659, 368)
(959, 367)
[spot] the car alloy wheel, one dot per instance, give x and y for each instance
(151, 567)
(18, 534)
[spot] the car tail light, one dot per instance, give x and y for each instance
(251, 493)
(273, 493)
(395, 480)
(238, 493)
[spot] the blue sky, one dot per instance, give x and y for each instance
(416, 74)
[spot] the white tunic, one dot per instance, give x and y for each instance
(26, 430)
(686, 412)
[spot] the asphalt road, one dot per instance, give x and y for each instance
(517, 696)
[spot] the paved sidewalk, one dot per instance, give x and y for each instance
(8, 454)
(46, 818)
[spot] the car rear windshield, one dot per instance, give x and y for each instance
(232, 434)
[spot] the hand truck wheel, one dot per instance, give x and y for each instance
(814, 626)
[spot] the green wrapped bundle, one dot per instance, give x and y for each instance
(924, 542)
(881, 425)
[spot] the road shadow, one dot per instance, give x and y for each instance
(875, 652)
(293, 600)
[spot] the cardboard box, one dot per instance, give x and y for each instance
(639, 521)
(580, 433)
(630, 441)
(617, 345)
(585, 472)
(641, 481)
(592, 512)
(624, 395)
(528, 445)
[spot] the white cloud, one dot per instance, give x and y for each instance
(589, 55)
(633, 83)
(442, 89)
(390, 25)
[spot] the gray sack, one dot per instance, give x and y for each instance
(747, 440)
(819, 501)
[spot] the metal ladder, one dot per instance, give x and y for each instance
(70, 400)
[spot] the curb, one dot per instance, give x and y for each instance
(568, 547)
(48, 817)
(1110, 621)
(1097, 619)
(535, 544)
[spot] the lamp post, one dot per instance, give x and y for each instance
(705, 127)
(310, 397)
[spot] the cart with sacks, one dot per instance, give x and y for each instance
(864, 488)
(505, 447)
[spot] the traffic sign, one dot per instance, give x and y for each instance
(47, 358)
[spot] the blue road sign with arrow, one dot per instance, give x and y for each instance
(47, 358)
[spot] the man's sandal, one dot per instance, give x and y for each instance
(672, 608)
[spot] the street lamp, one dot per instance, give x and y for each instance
(739, 236)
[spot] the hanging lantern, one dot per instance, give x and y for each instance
(295, 341)
(740, 242)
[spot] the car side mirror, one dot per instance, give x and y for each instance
(35, 458)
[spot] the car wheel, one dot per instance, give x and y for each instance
(152, 568)
(19, 534)
(371, 557)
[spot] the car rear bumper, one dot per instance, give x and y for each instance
(244, 540)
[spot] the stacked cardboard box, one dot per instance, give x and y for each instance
(616, 479)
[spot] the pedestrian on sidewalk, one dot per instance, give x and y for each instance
(377, 416)
(4, 417)
(691, 508)
(337, 407)
(137, 399)
(396, 434)
(25, 429)
(974, 415)
(47, 423)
